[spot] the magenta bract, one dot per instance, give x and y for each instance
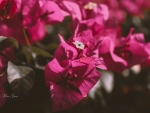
(72, 72)
(7, 9)
(30, 20)
(124, 54)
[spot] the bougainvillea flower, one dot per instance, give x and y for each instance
(65, 51)
(147, 62)
(96, 17)
(72, 73)
(115, 10)
(7, 9)
(28, 24)
(72, 8)
(135, 7)
(111, 29)
(126, 53)
(74, 48)
(85, 43)
(119, 8)
(90, 15)
(47, 11)
(70, 81)
(147, 46)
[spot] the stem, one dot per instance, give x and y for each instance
(3, 73)
(26, 37)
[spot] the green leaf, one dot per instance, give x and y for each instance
(25, 53)
(40, 52)
(52, 47)
(4, 40)
(21, 78)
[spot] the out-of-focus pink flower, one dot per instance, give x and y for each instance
(123, 54)
(147, 62)
(7, 9)
(28, 24)
(72, 73)
(111, 29)
(88, 14)
(119, 8)
(147, 47)
(95, 17)
(116, 11)
(135, 7)
(71, 8)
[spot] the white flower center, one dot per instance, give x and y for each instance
(79, 45)
(90, 5)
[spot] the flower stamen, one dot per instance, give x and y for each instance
(79, 45)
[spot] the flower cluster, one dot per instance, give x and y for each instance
(96, 43)
(72, 72)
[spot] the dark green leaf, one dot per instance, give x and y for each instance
(5, 40)
(21, 78)
(40, 52)
(25, 53)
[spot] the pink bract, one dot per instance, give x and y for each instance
(30, 19)
(69, 81)
(7, 9)
(124, 54)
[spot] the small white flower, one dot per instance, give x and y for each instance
(79, 45)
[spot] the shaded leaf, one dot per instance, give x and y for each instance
(52, 47)
(5, 40)
(21, 78)
(40, 52)
(25, 53)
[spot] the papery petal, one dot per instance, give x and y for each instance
(36, 32)
(12, 28)
(50, 13)
(88, 60)
(100, 63)
(73, 8)
(65, 51)
(112, 61)
(79, 68)
(138, 53)
(139, 37)
(63, 97)
(130, 7)
(7, 9)
(53, 72)
(104, 11)
(28, 11)
(147, 48)
(89, 79)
